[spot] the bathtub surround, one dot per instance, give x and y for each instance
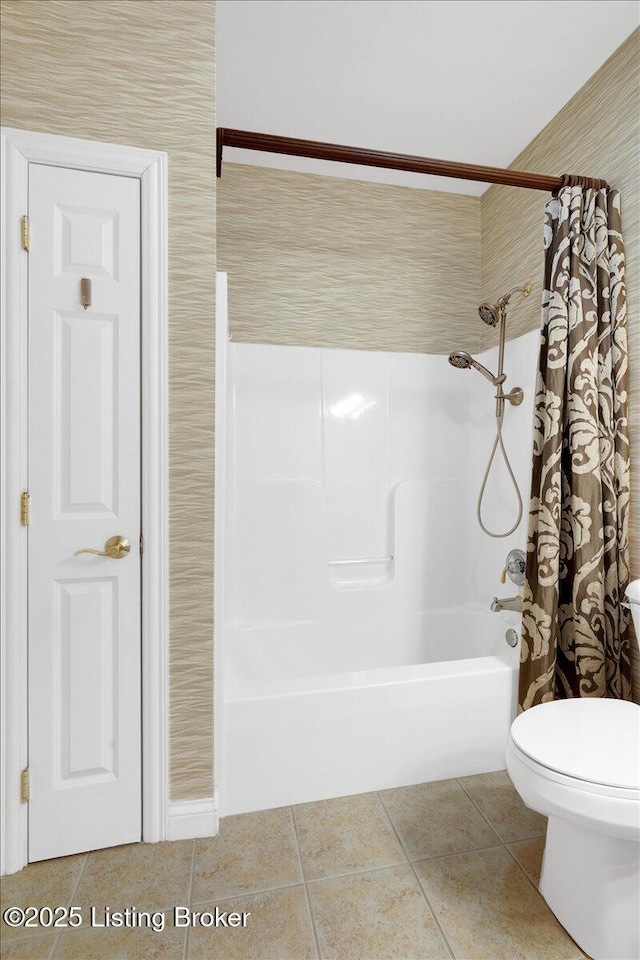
(351, 485)
(323, 262)
(116, 70)
(575, 636)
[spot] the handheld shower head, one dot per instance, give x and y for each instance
(460, 359)
(464, 361)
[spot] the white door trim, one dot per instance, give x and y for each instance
(18, 149)
(220, 537)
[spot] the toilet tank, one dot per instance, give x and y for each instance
(633, 598)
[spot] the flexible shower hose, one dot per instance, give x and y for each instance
(498, 442)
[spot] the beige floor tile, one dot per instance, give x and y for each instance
(434, 819)
(375, 916)
(278, 928)
(145, 876)
(490, 911)
(138, 943)
(529, 854)
(34, 948)
(499, 801)
(252, 852)
(49, 883)
(347, 835)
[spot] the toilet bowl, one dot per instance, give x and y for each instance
(578, 763)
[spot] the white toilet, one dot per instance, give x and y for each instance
(578, 763)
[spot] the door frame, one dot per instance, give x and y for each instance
(19, 148)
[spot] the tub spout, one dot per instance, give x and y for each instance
(506, 603)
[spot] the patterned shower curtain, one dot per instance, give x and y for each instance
(575, 633)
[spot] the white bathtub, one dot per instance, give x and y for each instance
(346, 490)
(308, 717)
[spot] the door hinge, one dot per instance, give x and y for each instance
(24, 509)
(25, 785)
(26, 233)
(141, 544)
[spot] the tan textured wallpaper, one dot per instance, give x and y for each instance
(597, 133)
(142, 72)
(320, 261)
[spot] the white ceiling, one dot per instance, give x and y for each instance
(465, 80)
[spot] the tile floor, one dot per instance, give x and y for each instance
(429, 872)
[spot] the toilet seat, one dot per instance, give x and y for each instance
(584, 786)
(611, 810)
(578, 760)
(590, 743)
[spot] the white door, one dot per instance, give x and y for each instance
(84, 485)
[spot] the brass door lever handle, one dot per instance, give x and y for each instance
(115, 548)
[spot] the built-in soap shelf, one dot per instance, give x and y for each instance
(358, 573)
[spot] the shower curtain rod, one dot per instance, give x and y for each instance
(291, 146)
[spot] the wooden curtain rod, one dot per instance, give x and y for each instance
(267, 143)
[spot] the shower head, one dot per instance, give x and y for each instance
(460, 359)
(464, 361)
(492, 313)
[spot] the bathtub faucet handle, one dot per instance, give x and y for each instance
(514, 567)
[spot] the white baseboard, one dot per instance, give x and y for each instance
(187, 819)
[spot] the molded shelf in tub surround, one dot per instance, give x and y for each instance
(356, 573)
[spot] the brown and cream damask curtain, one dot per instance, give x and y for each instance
(575, 637)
